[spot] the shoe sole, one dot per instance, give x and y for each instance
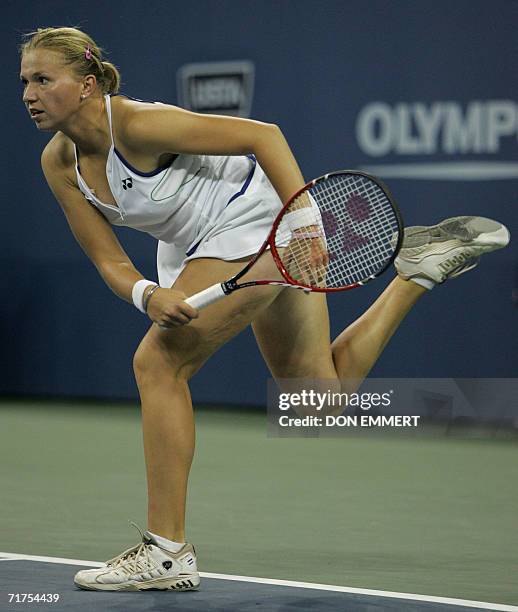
(474, 235)
(185, 583)
(478, 231)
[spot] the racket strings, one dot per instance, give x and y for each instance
(340, 232)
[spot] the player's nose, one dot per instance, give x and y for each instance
(29, 94)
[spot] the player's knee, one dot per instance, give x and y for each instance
(153, 360)
(145, 361)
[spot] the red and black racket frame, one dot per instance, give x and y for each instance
(231, 285)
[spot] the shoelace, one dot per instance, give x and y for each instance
(136, 561)
(131, 560)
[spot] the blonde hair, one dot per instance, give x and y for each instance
(78, 51)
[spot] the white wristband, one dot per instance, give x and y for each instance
(305, 216)
(302, 217)
(137, 293)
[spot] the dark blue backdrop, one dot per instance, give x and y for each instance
(318, 64)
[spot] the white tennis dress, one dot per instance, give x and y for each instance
(198, 206)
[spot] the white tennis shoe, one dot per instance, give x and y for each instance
(431, 255)
(144, 567)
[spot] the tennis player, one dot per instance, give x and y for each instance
(207, 188)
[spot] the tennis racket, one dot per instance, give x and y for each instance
(338, 232)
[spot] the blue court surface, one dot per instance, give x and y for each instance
(21, 575)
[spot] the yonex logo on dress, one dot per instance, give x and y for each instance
(127, 183)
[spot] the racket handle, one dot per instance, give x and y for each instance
(206, 297)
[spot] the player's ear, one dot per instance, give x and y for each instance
(89, 85)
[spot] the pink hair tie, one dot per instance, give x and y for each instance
(88, 53)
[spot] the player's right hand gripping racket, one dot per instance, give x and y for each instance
(338, 232)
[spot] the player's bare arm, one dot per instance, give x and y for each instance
(169, 129)
(97, 239)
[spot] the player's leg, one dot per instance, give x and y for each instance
(358, 347)
(429, 255)
(164, 362)
(293, 334)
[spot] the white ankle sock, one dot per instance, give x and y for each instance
(424, 282)
(168, 544)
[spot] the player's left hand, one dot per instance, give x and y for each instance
(167, 308)
(307, 258)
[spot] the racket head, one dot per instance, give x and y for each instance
(361, 232)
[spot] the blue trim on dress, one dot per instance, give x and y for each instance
(243, 189)
(193, 248)
(126, 163)
(247, 181)
(139, 172)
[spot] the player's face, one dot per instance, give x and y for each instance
(51, 90)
